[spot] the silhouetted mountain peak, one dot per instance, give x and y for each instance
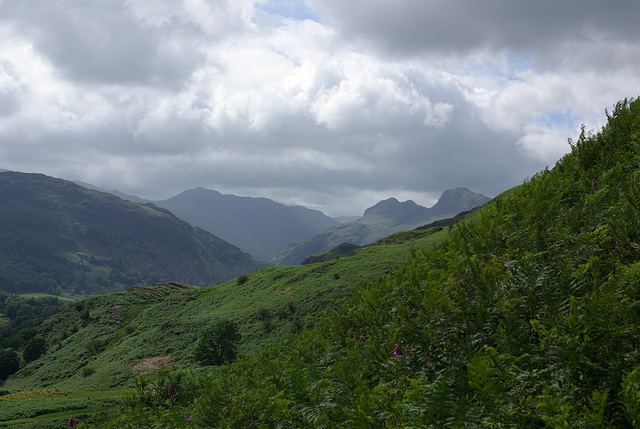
(394, 210)
(454, 201)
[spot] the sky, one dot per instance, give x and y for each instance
(330, 104)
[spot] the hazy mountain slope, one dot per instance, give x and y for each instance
(259, 226)
(126, 197)
(59, 237)
(392, 212)
(384, 218)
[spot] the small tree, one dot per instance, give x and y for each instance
(218, 344)
(34, 349)
(9, 363)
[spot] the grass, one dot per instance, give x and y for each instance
(52, 408)
(46, 295)
(93, 343)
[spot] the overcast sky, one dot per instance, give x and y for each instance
(330, 104)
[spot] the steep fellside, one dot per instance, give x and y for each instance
(258, 226)
(61, 238)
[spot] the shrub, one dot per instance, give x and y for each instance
(9, 363)
(218, 344)
(88, 371)
(34, 349)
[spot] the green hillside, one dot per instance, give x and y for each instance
(526, 316)
(63, 239)
(98, 343)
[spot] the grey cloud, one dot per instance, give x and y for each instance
(101, 41)
(460, 26)
(9, 102)
(153, 98)
(10, 89)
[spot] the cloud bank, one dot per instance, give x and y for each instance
(331, 104)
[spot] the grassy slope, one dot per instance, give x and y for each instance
(95, 343)
(526, 316)
(45, 295)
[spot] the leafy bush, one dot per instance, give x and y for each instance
(9, 363)
(88, 371)
(218, 344)
(34, 349)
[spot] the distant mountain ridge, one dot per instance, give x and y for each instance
(382, 219)
(258, 226)
(126, 197)
(395, 212)
(59, 237)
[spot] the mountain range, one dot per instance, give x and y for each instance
(286, 235)
(67, 238)
(59, 237)
(384, 218)
(258, 226)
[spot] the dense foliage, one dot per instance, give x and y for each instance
(19, 315)
(19, 318)
(527, 316)
(9, 362)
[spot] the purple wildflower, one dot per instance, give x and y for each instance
(361, 339)
(397, 351)
(188, 419)
(72, 423)
(171, 390)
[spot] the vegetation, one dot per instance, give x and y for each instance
(19, 318)
(218, 344)
(526, 316)
(96, 344)
(34, 349)
(9, 363)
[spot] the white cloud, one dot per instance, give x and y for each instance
(264, 98)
